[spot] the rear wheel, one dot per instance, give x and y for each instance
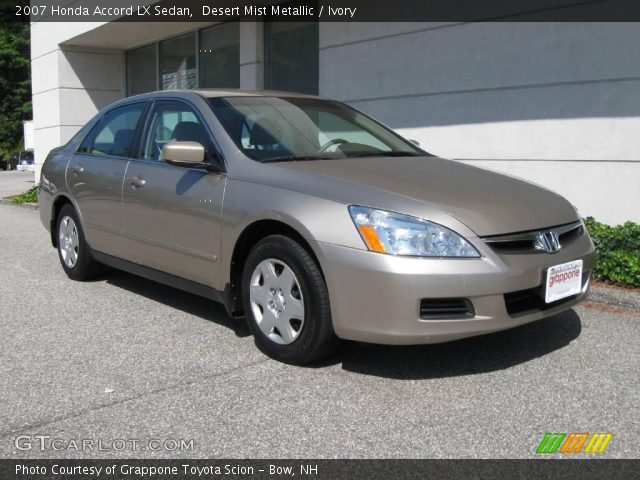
(73, 251)
(286, 302)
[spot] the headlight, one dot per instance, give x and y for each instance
(396, 234)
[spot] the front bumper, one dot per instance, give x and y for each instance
(376, 297)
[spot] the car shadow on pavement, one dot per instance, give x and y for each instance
(174, 298)
(486, 353)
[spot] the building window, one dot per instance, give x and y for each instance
(141, 70)
(178, 63)
(220, 56)
(291, 56)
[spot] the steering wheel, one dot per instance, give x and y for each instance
(330, 143)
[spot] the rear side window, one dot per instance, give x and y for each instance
(114, 134)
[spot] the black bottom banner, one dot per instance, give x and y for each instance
(316, 469)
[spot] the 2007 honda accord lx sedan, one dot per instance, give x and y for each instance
(311, 219)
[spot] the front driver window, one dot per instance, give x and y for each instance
(172, 121)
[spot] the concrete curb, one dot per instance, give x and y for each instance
(31, 206)
(621, 297)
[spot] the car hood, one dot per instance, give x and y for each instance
(488, 203)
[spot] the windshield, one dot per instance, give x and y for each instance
(270, 129)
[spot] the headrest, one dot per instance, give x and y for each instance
(190, 132)
(261, 136)
(122, 141)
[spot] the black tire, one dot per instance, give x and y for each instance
(316, 338)
(85, 266)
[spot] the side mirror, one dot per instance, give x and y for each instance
(415, 142)
(184, 154)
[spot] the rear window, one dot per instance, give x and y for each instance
(114, 134)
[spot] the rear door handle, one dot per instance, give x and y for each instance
(136, 182)
(77, 169)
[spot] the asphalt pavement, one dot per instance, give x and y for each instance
(122, 358)
(13, 182)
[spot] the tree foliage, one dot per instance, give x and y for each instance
(15, 80)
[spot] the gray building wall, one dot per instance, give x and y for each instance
(555, 103)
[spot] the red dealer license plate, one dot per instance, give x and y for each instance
(563, 281)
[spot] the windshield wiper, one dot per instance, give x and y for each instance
(297, 158)
(300, 158)
(383, 154)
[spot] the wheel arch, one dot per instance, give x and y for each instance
(57, 204)
(248, 238)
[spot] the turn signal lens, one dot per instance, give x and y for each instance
(371, 238)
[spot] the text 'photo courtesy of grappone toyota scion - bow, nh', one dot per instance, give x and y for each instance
(311, 219)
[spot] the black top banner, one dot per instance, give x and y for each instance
(322, 10)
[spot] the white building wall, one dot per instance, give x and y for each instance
(69, 84)
(555, 103)
(78, 68)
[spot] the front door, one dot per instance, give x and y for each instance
(171, 213)
(95, 175)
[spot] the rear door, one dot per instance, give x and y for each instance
(172, 214)
(95, 174)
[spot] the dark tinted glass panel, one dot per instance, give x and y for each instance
(172, 121)
(292, 56)
(114, 135)
(284, 129)
(220, 56)
(141, 70)
(178, 63)
(85, 146)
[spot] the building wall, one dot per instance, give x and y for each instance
(78, 68)
(555, 103)
(69, 83)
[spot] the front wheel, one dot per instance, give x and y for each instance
(286, 302)
(73, 250)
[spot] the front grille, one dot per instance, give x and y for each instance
(570, 235)
(532, 299)
(513, 246)
(526, 242)
(446, 308)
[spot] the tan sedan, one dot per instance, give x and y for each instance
(310, 219)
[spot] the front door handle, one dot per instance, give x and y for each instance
(77, 169)
(136, 182)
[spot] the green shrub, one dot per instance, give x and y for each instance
(30, 196)
(617, 251)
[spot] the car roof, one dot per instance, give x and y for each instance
(219, 92)
(203, 93)
(214, 92)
